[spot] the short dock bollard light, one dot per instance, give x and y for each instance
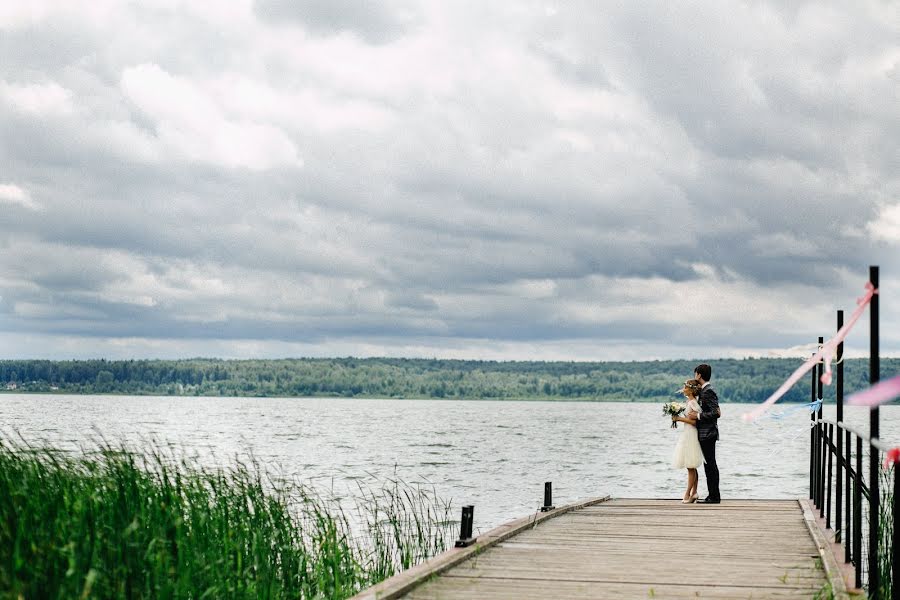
(465, 527)
(548, 497)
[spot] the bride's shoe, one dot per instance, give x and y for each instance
(693, 499)
(685, 500)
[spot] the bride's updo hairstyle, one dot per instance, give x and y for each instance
(693, 386)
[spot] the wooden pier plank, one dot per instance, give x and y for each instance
(461, 589)
(646, 548)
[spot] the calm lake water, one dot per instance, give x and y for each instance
(495, 455)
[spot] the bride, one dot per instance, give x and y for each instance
(688, 454)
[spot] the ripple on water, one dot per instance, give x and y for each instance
(497, 461)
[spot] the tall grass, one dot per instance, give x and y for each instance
(885, 530)
(114, 523)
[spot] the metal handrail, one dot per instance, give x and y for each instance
(878, 443)
(849, 485)
(864, 499)
(840, 459)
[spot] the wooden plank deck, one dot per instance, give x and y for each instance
(637, 549)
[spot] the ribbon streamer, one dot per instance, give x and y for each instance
(825, 354)
(881, 392)
(810, 406)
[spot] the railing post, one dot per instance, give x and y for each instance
(874, 494)
(822, 431)
(823, 468)
(874, 583)
(839, 401)
(813, 451)
(828, 495)
(857, 514)
(848, 538)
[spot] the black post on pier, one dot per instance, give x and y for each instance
(829, 450)
(839, 402)
(857, 514)
(465, 527)
(823, 430)
(874, 494)
(813, 448)
(548, 497)
(848, 481)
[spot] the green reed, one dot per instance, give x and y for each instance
(114, 523)
(885, 530)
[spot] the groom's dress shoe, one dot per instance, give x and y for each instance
(709, 501)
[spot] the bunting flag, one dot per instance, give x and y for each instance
(825, 354)
(881, 392)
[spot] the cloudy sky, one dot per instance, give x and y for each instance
(499, 180)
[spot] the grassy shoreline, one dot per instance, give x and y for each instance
(111, 522)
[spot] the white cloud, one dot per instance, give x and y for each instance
(41, 99)
(886, 226)
(191, 123)
(20, 14)
(13, 194)
(482, 179)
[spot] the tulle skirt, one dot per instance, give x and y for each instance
(688, 454)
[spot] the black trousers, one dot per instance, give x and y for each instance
(711, 468)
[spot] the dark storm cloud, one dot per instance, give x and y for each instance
(445, 176)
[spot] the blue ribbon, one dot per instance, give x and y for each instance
(810, 406)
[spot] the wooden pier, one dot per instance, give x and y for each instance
(623, 548)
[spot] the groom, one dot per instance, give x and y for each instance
(708, 431)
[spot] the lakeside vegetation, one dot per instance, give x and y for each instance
(736, 380)
(111, 523)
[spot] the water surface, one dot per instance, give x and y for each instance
(493, 454)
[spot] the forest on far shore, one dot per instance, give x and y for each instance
(736, 380)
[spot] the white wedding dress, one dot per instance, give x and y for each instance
(688, 454)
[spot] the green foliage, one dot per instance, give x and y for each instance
(885, 530)
(747, 380)
(115, 524)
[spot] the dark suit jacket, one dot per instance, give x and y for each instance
(707, 425)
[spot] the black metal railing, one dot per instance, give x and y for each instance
(858, 499)
(862, 521)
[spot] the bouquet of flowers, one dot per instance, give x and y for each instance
(673, 409)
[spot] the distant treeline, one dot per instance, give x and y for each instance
(746, 380)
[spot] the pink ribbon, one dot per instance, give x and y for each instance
(825, 354)
(881, 392)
